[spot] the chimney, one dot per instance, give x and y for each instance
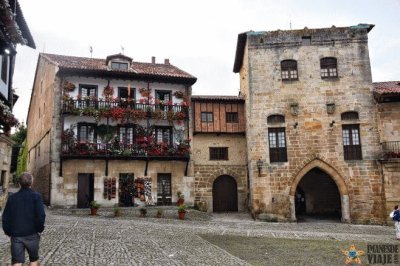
(166, 61)
(153, 59)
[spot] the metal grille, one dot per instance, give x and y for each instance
(329, 67)
(218, 153)
(289, 70)
(232, 117)
(276, 119)
(349, 116)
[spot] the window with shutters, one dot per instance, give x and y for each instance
(351, 142)
(277, 145)
(329, 67)
(289, 70)
(218, 153)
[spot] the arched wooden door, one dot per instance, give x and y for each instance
(225, 194)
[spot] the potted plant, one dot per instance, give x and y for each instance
(117, 212)
(159, 213)
(181, 198)
(143, 212)
(182, 211)
(94, 206)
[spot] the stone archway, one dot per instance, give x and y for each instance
(334, 175)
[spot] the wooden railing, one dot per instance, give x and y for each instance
(391, 149)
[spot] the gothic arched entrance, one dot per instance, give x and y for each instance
(224, 193)
(317, 196)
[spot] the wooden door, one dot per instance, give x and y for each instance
(85, 190)
(225, 194)
(164, 189)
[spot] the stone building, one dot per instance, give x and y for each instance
(111, 130)
(219, 153)
(311, 123)
(13, 31)
(387, 96)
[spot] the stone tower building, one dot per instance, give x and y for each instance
(311, 123)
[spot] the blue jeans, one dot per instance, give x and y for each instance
(20, 243)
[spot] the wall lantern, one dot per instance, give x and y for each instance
(332, 123)
(330, 108)
(259, 166)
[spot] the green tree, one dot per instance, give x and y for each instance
(20, 134)
(23, 154)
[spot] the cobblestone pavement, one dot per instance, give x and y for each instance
(85, 240)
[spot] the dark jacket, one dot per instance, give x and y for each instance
(396, 216)
(24, 213)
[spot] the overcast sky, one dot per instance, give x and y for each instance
(197, 36)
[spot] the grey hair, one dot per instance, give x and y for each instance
(25, 180)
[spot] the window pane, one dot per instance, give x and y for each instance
(346, 137)
(203, 117)
(354, 135)
(272, 140)
(210, 117)
(285, 74)
(281, 139)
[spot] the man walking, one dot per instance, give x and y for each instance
(23, 220)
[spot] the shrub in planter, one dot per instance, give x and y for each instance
(159, 213)
(143, 212)
(182, 211)
(94, 206)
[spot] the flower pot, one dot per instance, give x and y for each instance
(93, 211)
(181, 215)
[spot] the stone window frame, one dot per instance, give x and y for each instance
(329, 67)
(219, 154)
(289, 71)
(350, 115)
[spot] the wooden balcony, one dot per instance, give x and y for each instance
(120, 151)
(391, 149)
(129, 110)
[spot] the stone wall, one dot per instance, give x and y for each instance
(206, 170)
(5, 162)
(42, 110)
(315, 138)
(67, 191)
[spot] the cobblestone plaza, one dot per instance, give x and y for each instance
(86, 240)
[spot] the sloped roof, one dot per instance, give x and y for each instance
(136, 68)
(216, 98)
(386, 89)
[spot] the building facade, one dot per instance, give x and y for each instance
(311, 124)
(112, 130)
(13, 31)
(219, 152)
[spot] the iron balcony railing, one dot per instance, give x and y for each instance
(112, 108)
(391, 149)
(125, 151)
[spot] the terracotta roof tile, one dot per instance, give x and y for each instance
(84, 63)
(216, 98)
(388, 87)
